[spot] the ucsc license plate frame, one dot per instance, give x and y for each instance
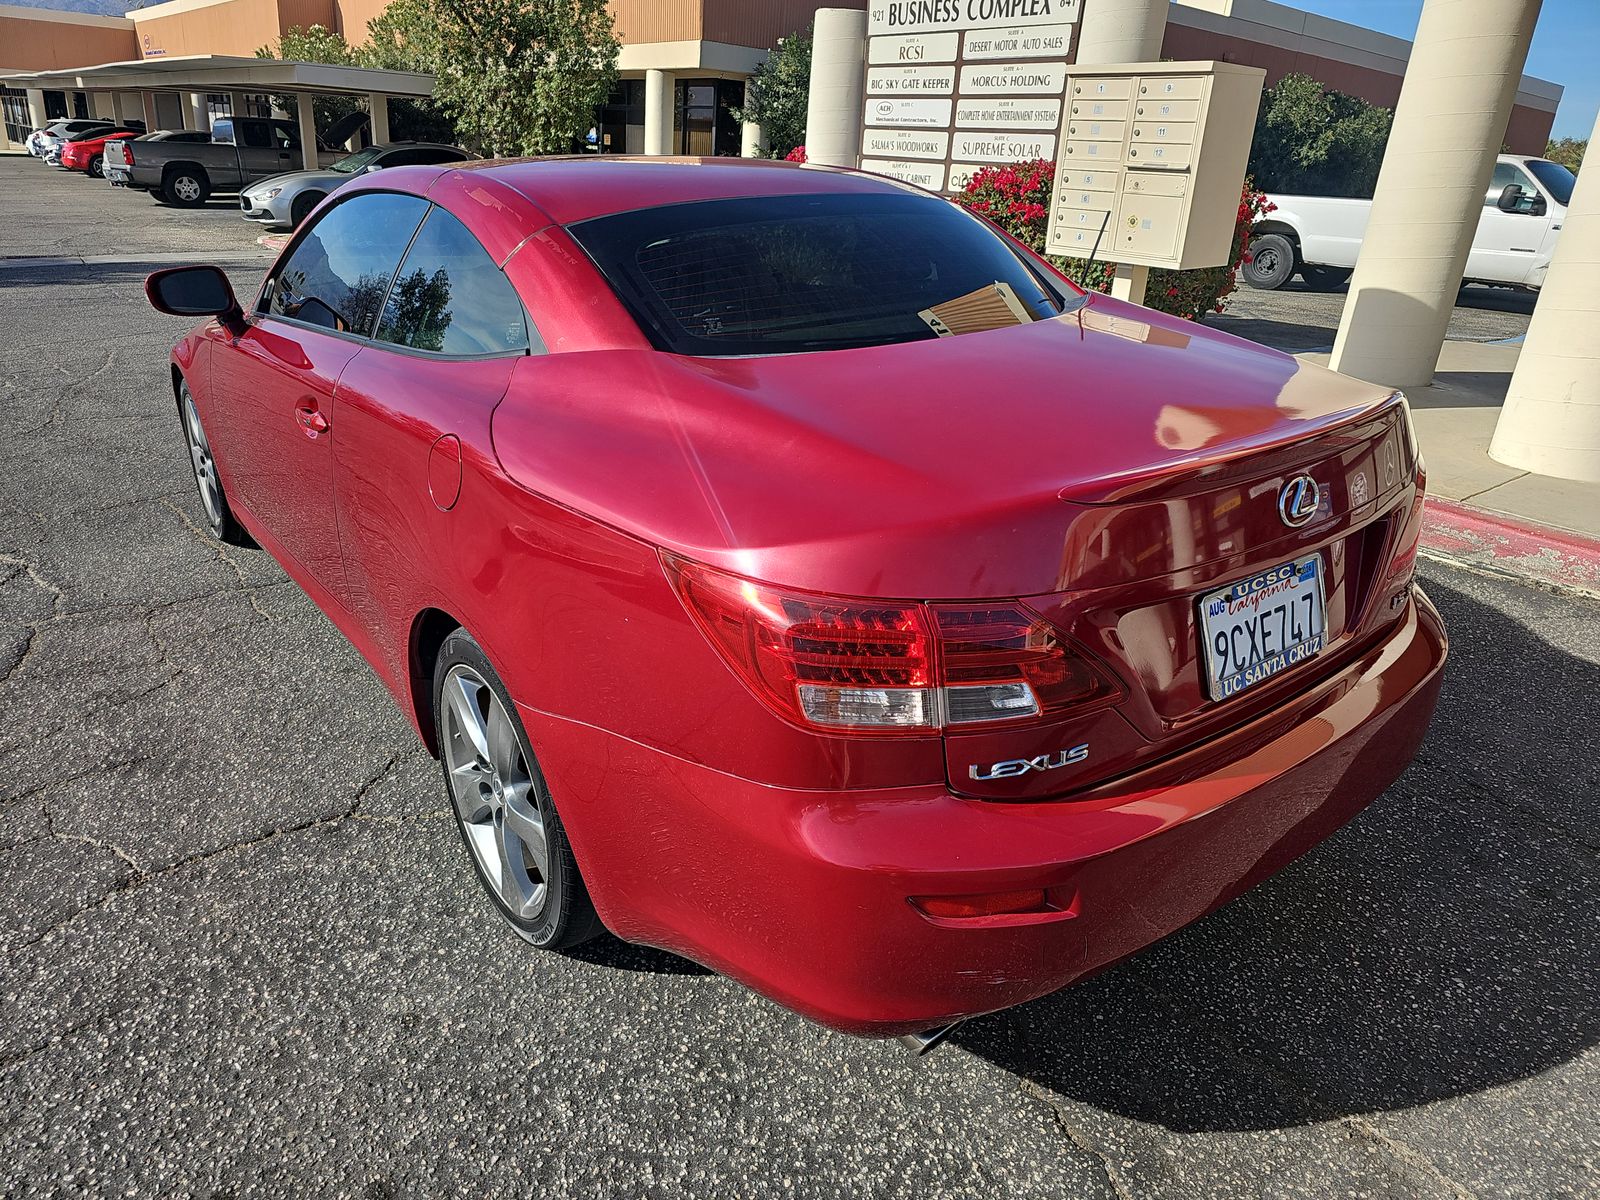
(1232, 607)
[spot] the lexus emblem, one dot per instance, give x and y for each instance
(1298, 500)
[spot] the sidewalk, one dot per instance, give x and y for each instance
(1484, 513)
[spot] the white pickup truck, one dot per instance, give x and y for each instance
(1320, 236)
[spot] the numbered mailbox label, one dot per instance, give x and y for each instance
(1042, 41)
(903, 143)
(1008, 114)
(1014, 79)
(911, 81)
(882, 110)
(920, 16)
(1005, 147)
(913, 48)
(923, 174)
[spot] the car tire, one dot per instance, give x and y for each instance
(185, 187)
(1324, 279)
(224, 526)
(1271, 263)
(97, 167)
(301, 208)
(504, 812)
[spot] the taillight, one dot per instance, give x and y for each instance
(885, 667)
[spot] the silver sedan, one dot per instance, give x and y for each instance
(287, 199)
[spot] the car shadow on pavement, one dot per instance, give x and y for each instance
(608, 950)
(1441, 944)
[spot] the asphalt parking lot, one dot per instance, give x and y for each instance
(242, 954)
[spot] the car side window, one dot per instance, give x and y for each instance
(451, 298)
(1504, 174)
(340, 271)
(253, 134)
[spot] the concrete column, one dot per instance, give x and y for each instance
(1455, 101)
(152, 119)
(834, 106)
(378, 106)
(236, 104)
(660, 98)
(36, 107)
(1125, 32)
(1551, 420)
(199, 111)
(752, 140)
(303, 102)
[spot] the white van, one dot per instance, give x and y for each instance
(1320, 236)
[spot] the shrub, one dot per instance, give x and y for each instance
(1311, 140)
(1016, 198)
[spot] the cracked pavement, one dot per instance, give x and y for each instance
(242, 953)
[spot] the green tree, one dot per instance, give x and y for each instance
(776, 94)
(1311, 140)
(517, 76)
(1568, 152)
(315, 44)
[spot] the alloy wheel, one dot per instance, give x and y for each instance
(186, 188)
(205, 467)
(494, 793)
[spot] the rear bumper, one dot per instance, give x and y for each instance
(804, 895)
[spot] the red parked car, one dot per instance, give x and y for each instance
(87, 152)
(794, 573)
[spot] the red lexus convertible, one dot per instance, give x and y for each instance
(794, 573)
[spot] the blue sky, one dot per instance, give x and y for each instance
(1564, 47)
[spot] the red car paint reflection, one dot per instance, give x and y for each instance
(863, 667)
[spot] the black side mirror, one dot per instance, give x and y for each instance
(1510, 198)
(195, 292)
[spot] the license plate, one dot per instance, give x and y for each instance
(1258, 627)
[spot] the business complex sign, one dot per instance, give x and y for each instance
(956, 85)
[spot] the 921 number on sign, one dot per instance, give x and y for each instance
(1257, 627)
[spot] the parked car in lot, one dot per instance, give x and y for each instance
(285, 200)
(117, 157)
(902, 676)
(86, 151)
(241, 150)
(1320, 236)
(36, 142)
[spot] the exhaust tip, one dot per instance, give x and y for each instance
(929, 1039)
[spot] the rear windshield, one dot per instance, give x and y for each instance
(780, 274)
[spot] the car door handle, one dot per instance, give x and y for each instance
(311, 420)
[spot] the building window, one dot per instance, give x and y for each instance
(705, 124)
(14, 105)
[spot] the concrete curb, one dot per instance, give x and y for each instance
(1506, 545)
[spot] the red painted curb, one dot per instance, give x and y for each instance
(1476, 537)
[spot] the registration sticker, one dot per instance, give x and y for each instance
(1257, 627)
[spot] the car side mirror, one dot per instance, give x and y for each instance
(1510, 198)
(371, 167)
(195, 292)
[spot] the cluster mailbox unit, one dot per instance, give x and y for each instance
(1152, 157)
